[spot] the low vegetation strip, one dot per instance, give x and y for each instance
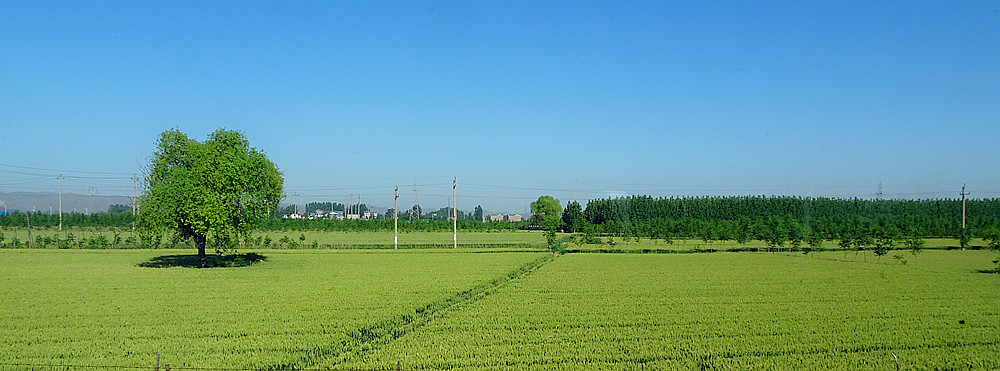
(369, 337)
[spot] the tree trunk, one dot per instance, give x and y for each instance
(199, 241)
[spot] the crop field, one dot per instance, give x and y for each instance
(448, 309)
(100, 308)
(618, 244)
(409, 239)
(319, 239)
(725, 311)
(509, 240)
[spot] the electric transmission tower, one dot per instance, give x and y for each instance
(93, 192)
(416, 202)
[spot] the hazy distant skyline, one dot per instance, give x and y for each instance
(515, 99)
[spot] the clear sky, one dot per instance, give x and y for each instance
(578, 100)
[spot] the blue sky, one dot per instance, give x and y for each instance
(578, 100)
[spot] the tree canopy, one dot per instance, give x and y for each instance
(573, 217)
(546, 211)
(216, 189)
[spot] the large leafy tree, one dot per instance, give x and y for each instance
(546, 211)
(217, 189)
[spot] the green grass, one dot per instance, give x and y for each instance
(505, 240)
(620, 244)
(487, 309)
(334, 239)
(100, 308)
(411, 239)
(722, 311)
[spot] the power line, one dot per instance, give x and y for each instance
(64, 171)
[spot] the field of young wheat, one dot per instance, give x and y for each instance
(476, 309)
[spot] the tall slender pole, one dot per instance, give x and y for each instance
(454, 210)
(963, 206)
(60, 201)
(135, 202)
(395, 220)
(28, 217)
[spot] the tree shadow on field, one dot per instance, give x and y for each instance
(211, 260)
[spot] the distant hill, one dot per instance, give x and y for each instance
(71, 202)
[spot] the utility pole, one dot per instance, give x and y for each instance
(60, 201)
(454, 210)
(963, 207)
(28, 217)
(395, 219)
(135, 200)
(964, 236)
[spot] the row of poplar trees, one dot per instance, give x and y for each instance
(732, 217)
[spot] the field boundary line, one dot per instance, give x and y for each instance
(367, 338)
(718, 250)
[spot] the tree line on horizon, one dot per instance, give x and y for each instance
(679, 217)
(758, 217)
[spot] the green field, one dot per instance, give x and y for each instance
(695, 245)
(506, 240)
(325, 239)
(448, 309)
(100, 308)
(724, 310)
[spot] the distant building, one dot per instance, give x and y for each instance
(514, 218)
(496, 217)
